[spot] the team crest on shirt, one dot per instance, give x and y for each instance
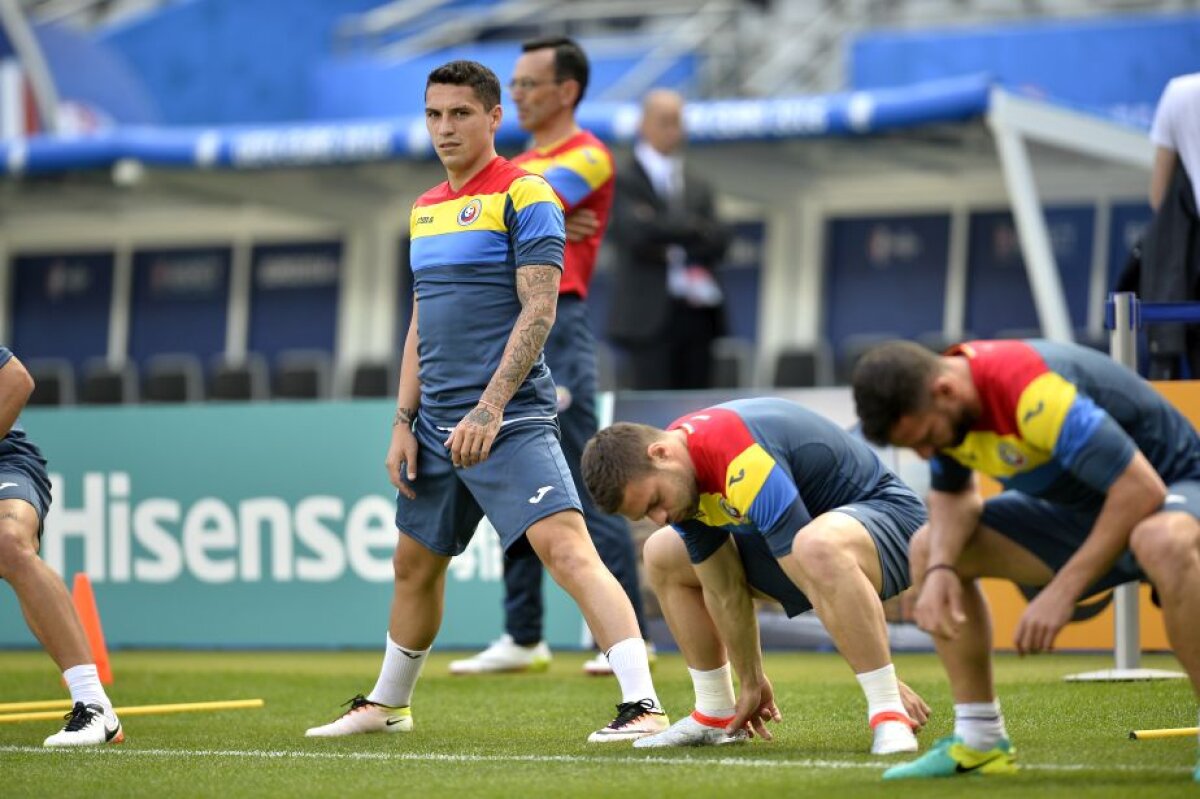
(730, 511)
(1010, 455)
(470, 212)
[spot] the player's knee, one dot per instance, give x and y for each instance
(17, 552)
(414, 571)
(664, 553)
(821, 555)
(1166, 544)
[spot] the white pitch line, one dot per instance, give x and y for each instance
(433, 757)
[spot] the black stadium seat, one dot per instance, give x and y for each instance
(242, 379)
(176, 377)
(302, 374)
(53, 381)
(105, 384)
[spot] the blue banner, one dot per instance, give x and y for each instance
(61, 306)
(294, 297)
(900, 258)
(180, 302)
(998, 293)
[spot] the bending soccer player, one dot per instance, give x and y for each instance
(24, 501)
(475, 421)
(1103, 487)
(817, 522)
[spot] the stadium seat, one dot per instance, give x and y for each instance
(53, 381)
(374, 379)
(105, 384)
(302, 374)
(244, 379)
(733, 362)
(853, 348)
(802, 367)
(176, 377)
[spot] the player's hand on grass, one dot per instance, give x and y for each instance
(755, 707)
(914, 706)
(1041, 622)
(402, 454)
(939, 607)
(471, 440)
(582, 223)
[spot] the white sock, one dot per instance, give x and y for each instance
(84, 684)
(401, 668)
(632, 670)
(979, 724)
(714, 692)
(882, 690)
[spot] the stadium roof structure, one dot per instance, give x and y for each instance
(761, 150)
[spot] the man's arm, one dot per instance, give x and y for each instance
(1137, 493)
(1160, 178)
(953, 518)
(537, 290)
(16, 385)
(403, 449)
(727, 596)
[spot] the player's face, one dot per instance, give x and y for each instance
(461, 130)
(668, 495)
(944, 424)
(539, 97)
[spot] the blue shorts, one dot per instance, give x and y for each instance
(525, 479)
(1053, 533)
(23, 478)
(891, 515)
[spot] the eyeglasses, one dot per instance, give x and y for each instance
(528, 84)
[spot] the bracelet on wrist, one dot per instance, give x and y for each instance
(937, 566)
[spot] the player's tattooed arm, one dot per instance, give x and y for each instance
(404, 416)
(537, 289)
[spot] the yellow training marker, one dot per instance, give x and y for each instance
(45, 704)
(145, 710)
(1178, 732)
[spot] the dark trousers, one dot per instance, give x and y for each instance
(681, 356)
(571, 354)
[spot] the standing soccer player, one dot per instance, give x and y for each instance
(24, 500)
(1103, 487)
(475, 427)
(763, 496)
(549, 81)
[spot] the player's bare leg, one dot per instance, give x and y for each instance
(673, 579)
(418, 600)
(562, 542)
(835, 563)
(51, 617)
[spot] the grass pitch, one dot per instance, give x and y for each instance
(524, 735)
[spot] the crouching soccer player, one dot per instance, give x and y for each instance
(817, 522)
(24, 500)
(1103, 487)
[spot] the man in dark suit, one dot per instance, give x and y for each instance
(667, 307)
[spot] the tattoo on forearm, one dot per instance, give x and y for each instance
(404, 416)
(537, 288)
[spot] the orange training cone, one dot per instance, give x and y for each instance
(89, 617)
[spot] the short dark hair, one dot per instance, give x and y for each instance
(891, 381)
(570, 62)
(482, 80)
(615, 457)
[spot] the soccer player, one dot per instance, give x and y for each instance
(24, 500)
(1103, 487)
(475, 422)
(549, 80)
(817, 521)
